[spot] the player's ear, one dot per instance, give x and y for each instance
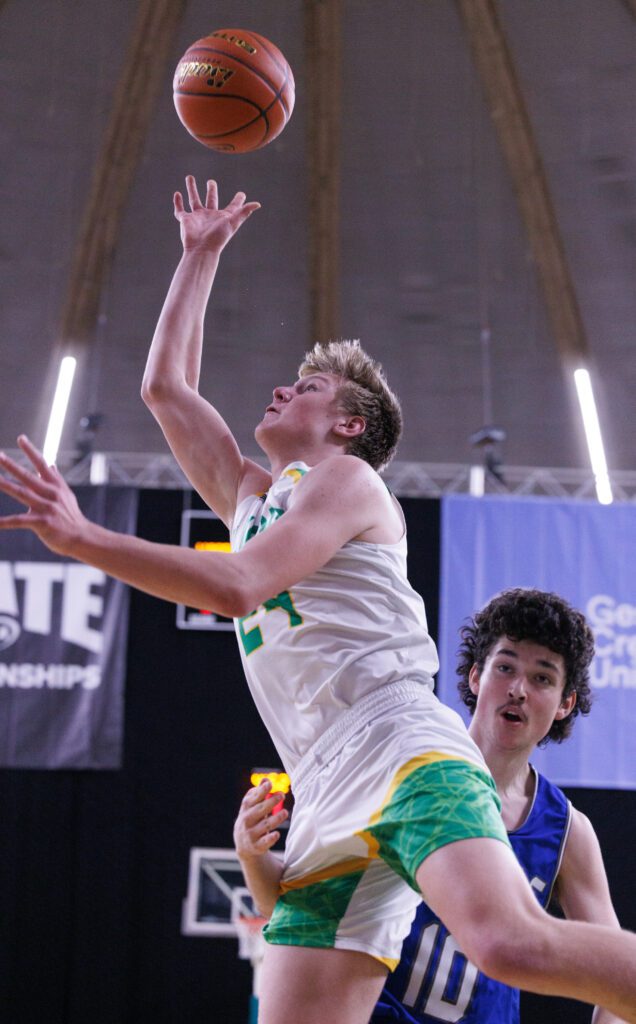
(350, 426)
(566, 706)
(473, 680)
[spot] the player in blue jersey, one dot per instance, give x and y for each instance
(338, 657)
(523, 674)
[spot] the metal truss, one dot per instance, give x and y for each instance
(405, 479)
(425, 480)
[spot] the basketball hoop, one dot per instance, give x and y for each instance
(250, 935)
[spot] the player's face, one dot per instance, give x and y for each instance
(519, 692)
(304, 411)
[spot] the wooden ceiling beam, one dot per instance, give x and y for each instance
(324, 109)
(631, 6)
(496, 69)
(133, 103)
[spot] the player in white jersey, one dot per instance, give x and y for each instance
(329, 654)
(520, 657)
(421, 815)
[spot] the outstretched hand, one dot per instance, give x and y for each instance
(255, 829)
(52, 510)
(205, 227)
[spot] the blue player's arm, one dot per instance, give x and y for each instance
(583, 889)
(255, 832)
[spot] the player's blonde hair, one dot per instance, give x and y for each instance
(364, 392)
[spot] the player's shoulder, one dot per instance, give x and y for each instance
(582, 883)
(345, 470)
(343, 480)
(582, 848)
(582, 836)
(351, 489)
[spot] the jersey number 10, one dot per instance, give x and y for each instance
(450, 984)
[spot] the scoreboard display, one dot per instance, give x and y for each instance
(202, 530)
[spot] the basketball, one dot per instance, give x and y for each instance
(234, 91)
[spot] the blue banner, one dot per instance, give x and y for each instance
(586, 553)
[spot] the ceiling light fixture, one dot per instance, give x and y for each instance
(593, 436)
(58, 409)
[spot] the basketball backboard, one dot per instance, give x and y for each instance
(216, 893)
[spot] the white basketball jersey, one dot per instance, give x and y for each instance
(350, 628)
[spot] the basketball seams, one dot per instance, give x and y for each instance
(283, 102)
(216, 126)
(230, 56)
(279, 98)
(224, 135)
(274, 53)
(223, 96)
(269, 50)
(277, 57)
(262, 112)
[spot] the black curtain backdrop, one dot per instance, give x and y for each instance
(93, 865)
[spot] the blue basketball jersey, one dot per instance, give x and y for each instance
(434, 981)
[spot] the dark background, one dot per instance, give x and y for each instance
(94, 865)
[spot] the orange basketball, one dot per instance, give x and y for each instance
(233, 90)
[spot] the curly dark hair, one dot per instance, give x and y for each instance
(542, 618)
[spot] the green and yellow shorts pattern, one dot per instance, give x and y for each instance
(361, 829)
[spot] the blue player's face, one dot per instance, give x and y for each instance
(519, 693)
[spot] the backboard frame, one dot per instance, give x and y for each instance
(214, 876)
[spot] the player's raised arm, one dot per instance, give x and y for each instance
(198, 436)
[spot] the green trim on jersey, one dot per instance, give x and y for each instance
(436, 804)
(311, 916)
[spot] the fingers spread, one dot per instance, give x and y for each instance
(14, 491)
(23, 521)
(34, 486)
(240, 214)
(237, 201)
(193, 193)
(248, 209)
(212, 196)
(36, 457)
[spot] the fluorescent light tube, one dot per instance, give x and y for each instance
(58, 409)
(593, 435)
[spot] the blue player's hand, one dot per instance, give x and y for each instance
(255, 829)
